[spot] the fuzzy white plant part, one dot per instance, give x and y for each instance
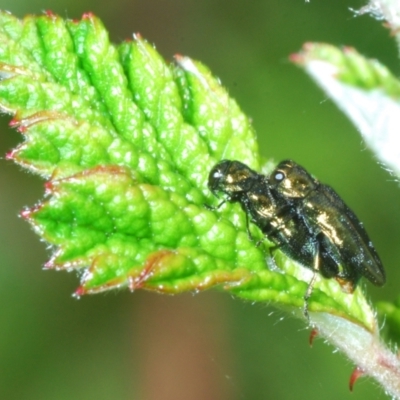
(364, 348)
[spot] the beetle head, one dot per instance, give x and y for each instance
(231, 178)
(291, 180)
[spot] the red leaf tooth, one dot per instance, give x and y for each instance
(18, 124)
(348, 49)
(50, 13)
(79, 292)
(10, 155)
(26, 214)
(296, 58)
(14, 122)
(49, 187)
(48, 265)
(308, 46)
(88, 15)
(354, 377)
(178, 57)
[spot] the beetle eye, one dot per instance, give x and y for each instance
(279, 176)
(217, 174)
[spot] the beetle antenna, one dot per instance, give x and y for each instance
(309, 290)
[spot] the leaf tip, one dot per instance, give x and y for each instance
(50, 13)
(14, 122)
(79, 292)
(296, 58)
(48, 265)
(300, 57)
(88, 16)
(178, 57)
(348, 49)
(26, 214)
(10, 155)
(49, 187)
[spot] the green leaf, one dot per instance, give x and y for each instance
(126, 141)
(364, 89)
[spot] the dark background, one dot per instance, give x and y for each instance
(207, 346)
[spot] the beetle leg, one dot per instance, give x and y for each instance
(307, 296)
(248, 230)
(310, 287)
(261, 240)
(211, 208)
(272, 264)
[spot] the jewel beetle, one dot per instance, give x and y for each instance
(305, 219)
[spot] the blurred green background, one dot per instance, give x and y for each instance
(207, 346)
